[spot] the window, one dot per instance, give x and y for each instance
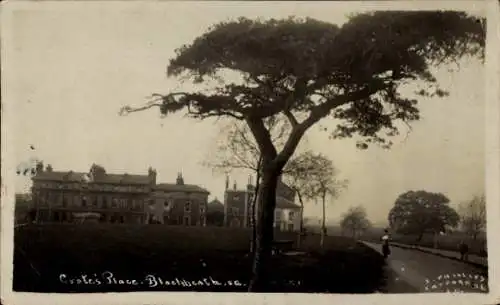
(187, 206)
(123, 203)
(290, 227)
(202, 209)
(166, 205)
(64, 201)
(291, 215)
(105, 202)
(84, 201)
(277, 215)
(236, 197)
(186, 220)
(114, 203)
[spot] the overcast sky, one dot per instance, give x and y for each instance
(71, 67)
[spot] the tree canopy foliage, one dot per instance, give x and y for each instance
(294, 66)
(473, 215)
(355, 220)
(419, 212)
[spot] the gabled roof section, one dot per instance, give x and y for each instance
(284, 203)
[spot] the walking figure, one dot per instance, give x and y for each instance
(463, 248)
(385, 244)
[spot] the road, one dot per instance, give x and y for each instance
(416, 271)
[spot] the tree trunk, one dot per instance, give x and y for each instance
(301, 223)
(323, 222)
(252, 215)
(265, 234)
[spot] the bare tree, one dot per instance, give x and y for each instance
(355, 221)
(314, 176)
(237, 150)
(302, 173)
(473, 215)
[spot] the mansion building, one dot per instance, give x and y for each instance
(238, 207)
(115, 198)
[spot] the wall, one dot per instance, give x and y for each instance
(174, 212)
(283, 221)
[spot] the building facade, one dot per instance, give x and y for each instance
(238, 207)
(114, 198)
(178, 204)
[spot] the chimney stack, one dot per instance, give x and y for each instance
(152, 175)
(180, 180)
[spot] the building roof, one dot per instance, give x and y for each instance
(81, 177)
(284, 203)
(172, 187)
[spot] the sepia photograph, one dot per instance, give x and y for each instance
(227, 147)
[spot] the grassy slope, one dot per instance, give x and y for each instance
(132, 251)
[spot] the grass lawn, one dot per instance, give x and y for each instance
(171, 254)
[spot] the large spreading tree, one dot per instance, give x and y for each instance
(420, 212)
(307, 71)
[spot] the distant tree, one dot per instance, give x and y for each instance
(355, 221)
(215, 218)
(420, 212)
(312, 176)
(305, 68)
(473, 215)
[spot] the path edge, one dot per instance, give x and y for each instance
(477, 265)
